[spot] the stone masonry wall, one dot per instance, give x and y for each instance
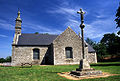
(24, 54)
(67, 39)
(92, 58)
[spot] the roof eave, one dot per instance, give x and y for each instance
(31, 45)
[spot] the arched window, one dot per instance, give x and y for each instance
(35, 53)
(69, 53)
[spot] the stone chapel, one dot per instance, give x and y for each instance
(38, 49)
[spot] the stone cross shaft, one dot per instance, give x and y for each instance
(82, 26)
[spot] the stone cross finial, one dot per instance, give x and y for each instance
(82, 17)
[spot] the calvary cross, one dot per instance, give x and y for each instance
(82, 16)
(82, 26)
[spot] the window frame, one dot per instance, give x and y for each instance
(69, 49)
(37, 55)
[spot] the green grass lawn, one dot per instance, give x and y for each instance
(49, 73)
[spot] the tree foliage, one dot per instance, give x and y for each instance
(118, 18)
(112, 43)
(100, 48)
(7, 59)
(90, 42)
(36, 32)
(2, 60)
(108, 45)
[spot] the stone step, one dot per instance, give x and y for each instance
(86, 73)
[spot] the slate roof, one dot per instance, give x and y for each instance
(40, 39)
(36, 39)
(90, 49)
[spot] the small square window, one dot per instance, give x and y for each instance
(69, 53)
(35, 53)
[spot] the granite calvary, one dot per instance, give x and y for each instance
(38, 49)
(84, 67)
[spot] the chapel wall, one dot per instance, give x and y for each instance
(24, 54)
(91, 57)
(67, 39)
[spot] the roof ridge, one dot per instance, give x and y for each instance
(39, 34)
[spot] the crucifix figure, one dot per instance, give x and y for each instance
(82, 26)
(82, 18)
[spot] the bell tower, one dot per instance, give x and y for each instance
(18, 24)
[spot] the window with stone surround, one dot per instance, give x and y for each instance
(36, 54)
(69, 53)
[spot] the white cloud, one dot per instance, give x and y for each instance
(3, 35)
(5, 25)
(98, 28)
(100, 16)
(42, 29)
(65, 8)
(95, 29)
(62, 10)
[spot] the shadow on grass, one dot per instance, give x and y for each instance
(5, 66)
(25, 67)
(53, 72)
(105, 65)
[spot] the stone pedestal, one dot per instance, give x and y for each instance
(85, 70)
(84, 64)
(85, 73)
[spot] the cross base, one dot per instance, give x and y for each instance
(84, 64)
(85, 73)
(85, 70)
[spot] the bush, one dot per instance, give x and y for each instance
(7, 59)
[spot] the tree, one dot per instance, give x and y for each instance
(101, 51)
(8, 59)
(118, 18)
(90, 42)
(2, 60)
(112, 43)
(36, 32)
(100, 48)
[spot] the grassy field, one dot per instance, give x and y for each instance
(49, 73)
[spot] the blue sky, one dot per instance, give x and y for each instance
(54, 16)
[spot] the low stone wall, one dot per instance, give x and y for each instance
(5, 64)
(1, 64)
